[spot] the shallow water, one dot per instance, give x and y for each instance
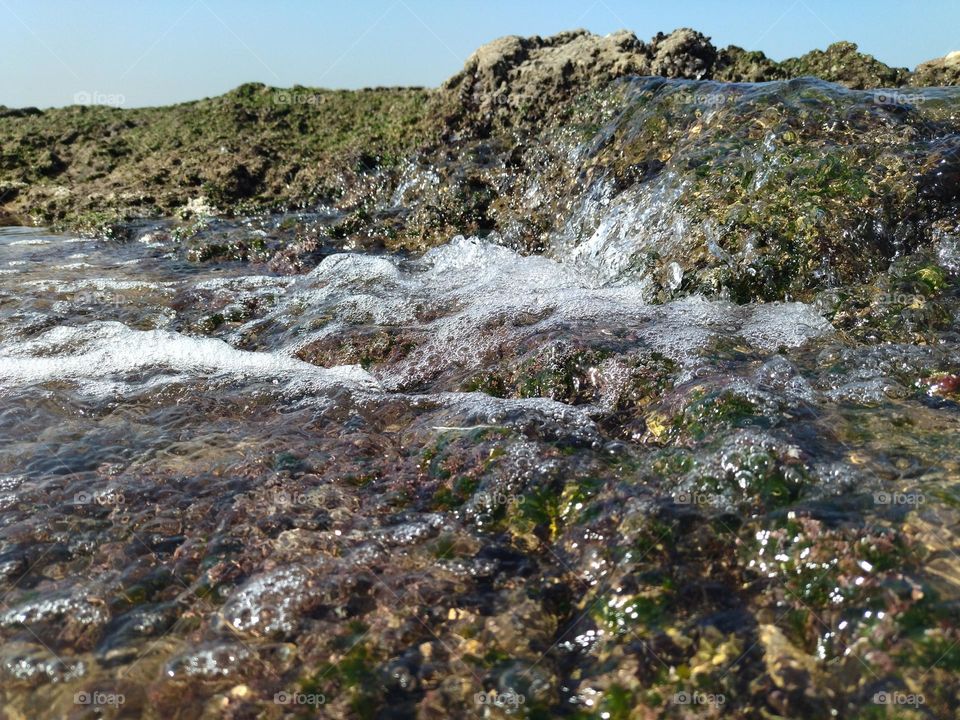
(399, 483)
(483, 482)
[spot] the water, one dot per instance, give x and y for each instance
(225, 508)
(471, 482)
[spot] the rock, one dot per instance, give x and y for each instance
(513, 77)
(843, 63)
(684, 53)
(271, 604)
(199, 207)
(940, 179)
(9, 191)
(289, 148)
(734, 64)
(51, 165)
(211, 662)
(33, 664)
(66, 615)
(523, 76)
(6, 112)
(124, 637)
(940, 71)
(789, 667)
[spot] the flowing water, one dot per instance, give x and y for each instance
(478, 480)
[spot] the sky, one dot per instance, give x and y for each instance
(154, 52)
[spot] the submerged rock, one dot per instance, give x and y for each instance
(270, 605)
(70, 616)
(543, 493)
(33, 664)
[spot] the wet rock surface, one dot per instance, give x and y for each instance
(509, 489)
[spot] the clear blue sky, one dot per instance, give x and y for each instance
(160, 51)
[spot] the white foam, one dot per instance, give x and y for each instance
(462, 307)
(606, 235)
(771, 325)
(106, 357)
(45, 240)
(469, 301)
(8, 487)
(31, 241)
(103, 284)
(245, 282)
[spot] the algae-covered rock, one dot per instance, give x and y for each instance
(843, 63)
(734, 64)
(256, 148)
(766, 198)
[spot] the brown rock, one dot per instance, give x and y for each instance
(940, 71)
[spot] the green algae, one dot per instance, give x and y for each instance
(215, 148)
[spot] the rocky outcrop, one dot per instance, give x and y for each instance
(266, 149)
(941, 71)
(514, 80)
(842, 63)
(516, 77)
(734, 64)
(684, 53)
